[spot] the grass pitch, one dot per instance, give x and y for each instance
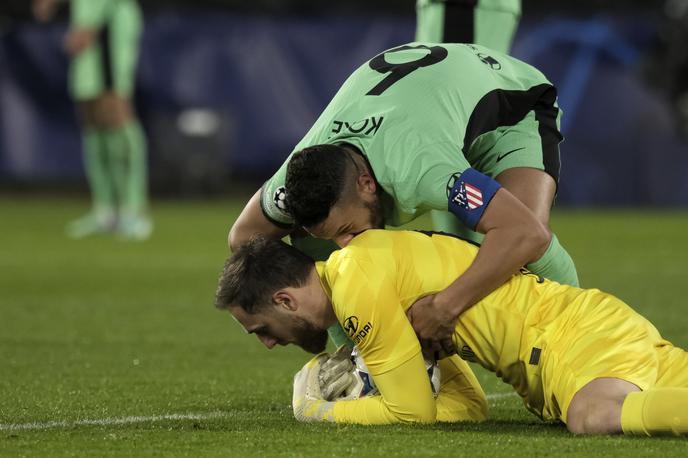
(114, 348)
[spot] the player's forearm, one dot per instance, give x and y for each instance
(251, 222)
(374, 410)
(370, 410)
(503, 252)
(405, 397)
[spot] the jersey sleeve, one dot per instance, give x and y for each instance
(461, 398)
(446, 181)
(405, 396)
(273, 198)
(90, 13)
(422, 181)
(368, 307)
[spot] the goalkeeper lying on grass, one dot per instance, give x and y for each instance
(579, 356)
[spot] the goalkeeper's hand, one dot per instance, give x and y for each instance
(324, 378)
(307, 395)
(336, 374)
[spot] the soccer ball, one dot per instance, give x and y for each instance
(365, 385)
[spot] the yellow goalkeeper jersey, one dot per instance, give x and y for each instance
(380, 274)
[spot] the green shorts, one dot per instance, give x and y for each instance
(464, 22)
(533, 142)
(109, 64)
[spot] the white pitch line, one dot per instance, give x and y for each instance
(492, 397)
(141, 419)
(111, 421)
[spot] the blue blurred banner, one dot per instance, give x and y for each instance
(237, 92)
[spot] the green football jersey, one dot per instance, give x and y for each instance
(415, 112)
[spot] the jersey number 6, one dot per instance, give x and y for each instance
(398, 71)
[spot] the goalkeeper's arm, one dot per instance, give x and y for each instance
(405, 397)
(461, 398)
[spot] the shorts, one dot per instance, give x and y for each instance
(598, 335)
(109, 64)
(457, 22)
(533, 142)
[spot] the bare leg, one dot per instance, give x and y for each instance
(596, 408)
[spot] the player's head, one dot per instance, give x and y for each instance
(332, 193)
(273, 291)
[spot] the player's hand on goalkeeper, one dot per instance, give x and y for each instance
(434, 323)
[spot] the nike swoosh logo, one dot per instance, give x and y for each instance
(502, 156)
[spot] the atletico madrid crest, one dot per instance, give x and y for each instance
(468, 196)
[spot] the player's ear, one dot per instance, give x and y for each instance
(286, 301)
(366, 183)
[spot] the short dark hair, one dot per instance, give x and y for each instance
(258, 269)
(316, 178)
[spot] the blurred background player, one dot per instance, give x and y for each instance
(490, 23)
(103, 46)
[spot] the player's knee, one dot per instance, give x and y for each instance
(112, 111)
(594, 417)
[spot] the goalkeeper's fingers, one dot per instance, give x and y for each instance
(331, 370)
(343, 353)
(333, 390)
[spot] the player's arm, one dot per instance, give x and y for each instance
(514, 237)
(366, 302)
(461, 398)
(405, 397)
(367, 292)
(252, 221)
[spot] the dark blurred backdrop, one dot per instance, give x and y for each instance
(226, 88)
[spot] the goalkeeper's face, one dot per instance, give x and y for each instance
(308, 336)
(275, 326)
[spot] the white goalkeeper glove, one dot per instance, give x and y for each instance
(322, 380)
(336, 374)
(307, 398)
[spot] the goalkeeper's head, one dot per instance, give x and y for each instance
(274, 291)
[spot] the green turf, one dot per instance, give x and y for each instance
(105, 329)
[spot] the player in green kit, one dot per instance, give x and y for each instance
(490, 23)
(102, 43)
(452, 127)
